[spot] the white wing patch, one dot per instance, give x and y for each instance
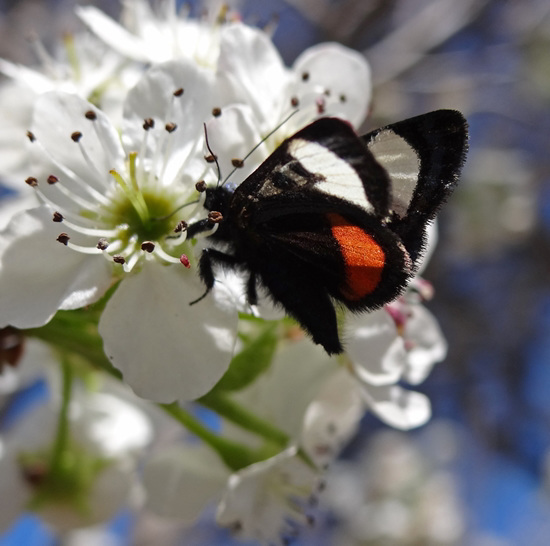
(340, 179)
(401, 161)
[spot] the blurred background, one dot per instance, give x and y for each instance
(479, 473)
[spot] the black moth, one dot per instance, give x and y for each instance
(333, 217)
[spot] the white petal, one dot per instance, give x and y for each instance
(375, 348)
(39, 275)
(263, 499)
(233, 135)
(427, 344)
(182, 480)
(332, 418)
(343, 72)
(250, 65)
(153, 97)
(56, 117)
(112, 33)
(166, 349)
(396, 406)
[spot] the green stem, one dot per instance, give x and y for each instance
(234, 455)
(62, 433)
(241, 416)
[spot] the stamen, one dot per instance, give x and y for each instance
(31, 181)
(84, 249)
(200, 186)
(216, 112)
(148, 246)
(179, 92)
(30, 136)
(184, 260)
(237, 163)
(159, 251)
(74, 178)
(93, 232)
(63, 238)
(129, 265)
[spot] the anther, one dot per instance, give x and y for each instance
(91, 115)
(30, 136)
(237, 163)
(215, 217)
(57, 217)
(147, 246)
(343, 98)
(200, 186)
(294, 102)
(119, 260)
(76, 136)
(210, 158)
(32, 181)
(179, 92)
(148, 123)
(326, 92)
(216, 112)
(102, 244)
(320, 102)
(181, 227)
(52, 179)
(63, 238)
(310, 520)
(185, 261)
(170, 126)
(305, 76)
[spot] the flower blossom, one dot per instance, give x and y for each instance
(95, 476)
(83, 66)
(114, 201)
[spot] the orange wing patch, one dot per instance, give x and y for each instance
(362, 255)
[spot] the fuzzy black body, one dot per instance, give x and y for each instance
(334, 217)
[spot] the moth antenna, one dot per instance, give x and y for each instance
(213, 155)
(258, 145)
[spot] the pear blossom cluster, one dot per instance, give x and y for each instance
(109, 152)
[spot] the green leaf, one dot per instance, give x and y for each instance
(252, 361)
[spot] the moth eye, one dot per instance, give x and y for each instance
(281, 180)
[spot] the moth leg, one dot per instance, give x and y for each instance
(208, 258)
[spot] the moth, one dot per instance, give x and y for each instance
(332, 218)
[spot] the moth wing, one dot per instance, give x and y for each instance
(423, 157)
(348, 253)
(329, 157)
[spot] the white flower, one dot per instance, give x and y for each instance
(157, 36)
(117, 197)
(106, 435)
(386, 347)
(303, 394)
(268, 500)
(83, 66)
(251, 78)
